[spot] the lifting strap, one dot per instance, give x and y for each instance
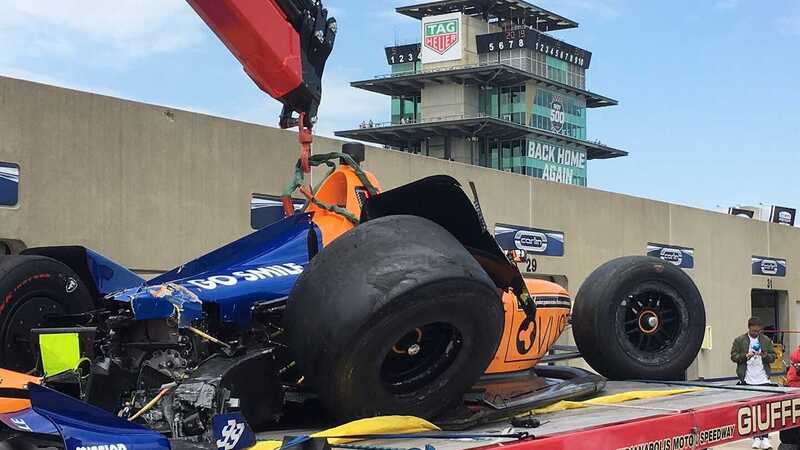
(310, 192)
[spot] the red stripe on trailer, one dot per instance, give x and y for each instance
(691, 429)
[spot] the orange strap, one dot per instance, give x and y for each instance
(305, 137)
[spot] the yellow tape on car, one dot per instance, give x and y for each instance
(370, 426)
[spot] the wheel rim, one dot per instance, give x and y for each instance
(29, 314)
(419, 357)
(650, 320)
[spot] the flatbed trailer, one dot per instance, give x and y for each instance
(720, 413)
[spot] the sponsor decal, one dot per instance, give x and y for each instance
(741, 212)
(553, 302)
(231, 432)
(442, 35)
(682, 257)
(255, 274)
(783, 215)
(529, 240)
(441, 38)
(103, 447)
(771, 267)
(21, 425)
(534, 336)
(402, 54)
(526, 334)
(71, 285)
(556, 115)
(534, 40)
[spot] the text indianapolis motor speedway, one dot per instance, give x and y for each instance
(687, 441)
(750, 420)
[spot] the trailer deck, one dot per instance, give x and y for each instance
(719, 413)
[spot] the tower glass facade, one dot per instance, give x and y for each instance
(493, 90)
(540, 64)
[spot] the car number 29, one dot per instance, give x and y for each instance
(531, 264)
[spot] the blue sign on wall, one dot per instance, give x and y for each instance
(9, 184)
(682, 257)
(531, 240)
(769, 267)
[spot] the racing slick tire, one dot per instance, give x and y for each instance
(32, 287)
(639, 317)
(393, 317)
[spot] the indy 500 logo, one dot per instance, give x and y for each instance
(557, 115)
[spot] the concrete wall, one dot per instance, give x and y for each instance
(441, 101)
(153, 187)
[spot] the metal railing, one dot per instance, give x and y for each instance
(430, 120)
(443, 69)
(368, 125)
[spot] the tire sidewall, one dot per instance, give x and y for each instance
(372, 274)
(596, 309)
(23, 278)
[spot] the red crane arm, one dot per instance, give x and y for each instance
(282, 44)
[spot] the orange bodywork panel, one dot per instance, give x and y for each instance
(342, 188)
(524, 342)
(14, 380)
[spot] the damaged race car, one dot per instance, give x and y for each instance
(364, 303)
(413, 310)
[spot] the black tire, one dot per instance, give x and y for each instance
(639, 317)
(32, 287)
(364, 303)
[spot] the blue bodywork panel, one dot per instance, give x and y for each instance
(78, 424)
(110, 276)
(29, 421)
(259, 267)
(82, 425)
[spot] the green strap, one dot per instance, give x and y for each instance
(328, 159)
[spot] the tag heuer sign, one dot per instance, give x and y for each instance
(441, 38)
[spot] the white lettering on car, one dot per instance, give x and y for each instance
(258, 273)
(103, 447)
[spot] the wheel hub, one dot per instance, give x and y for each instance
(648, 322)
(419, 356)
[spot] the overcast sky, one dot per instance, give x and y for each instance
(708, 90)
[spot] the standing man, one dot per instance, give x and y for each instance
(753, 353)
